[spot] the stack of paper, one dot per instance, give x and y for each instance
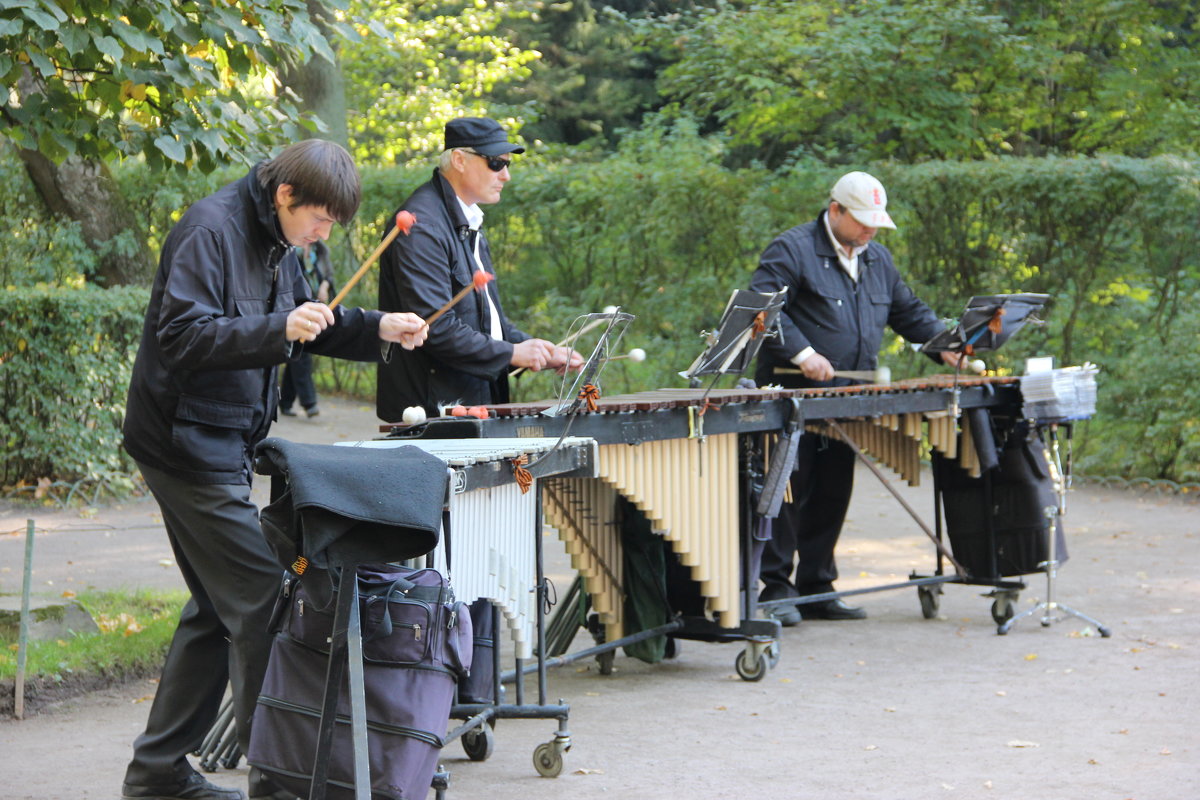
(1060, 394)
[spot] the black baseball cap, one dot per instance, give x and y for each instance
(484, 136)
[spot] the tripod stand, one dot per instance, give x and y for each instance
(1054, 515)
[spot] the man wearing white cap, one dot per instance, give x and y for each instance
(842, 290)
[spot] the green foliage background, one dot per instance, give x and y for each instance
(65, 359)
(1025, 146)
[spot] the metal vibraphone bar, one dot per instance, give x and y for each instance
(493, 552)
(681, 457)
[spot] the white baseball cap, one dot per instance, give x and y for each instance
(863, 196)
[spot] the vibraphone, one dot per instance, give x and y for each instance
(493, 551)
(684, 458)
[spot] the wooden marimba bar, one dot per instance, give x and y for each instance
(674, 454)
(688, 490)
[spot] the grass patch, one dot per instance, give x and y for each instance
(135, 630)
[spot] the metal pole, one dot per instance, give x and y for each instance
(23, 634)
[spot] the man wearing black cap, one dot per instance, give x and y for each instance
(471, 348)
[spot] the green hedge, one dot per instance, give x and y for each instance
(65, 360)
(661, 228)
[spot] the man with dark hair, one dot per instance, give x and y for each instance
(471, 348)
(228, 304)
(842, 290)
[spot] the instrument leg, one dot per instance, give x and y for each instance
(1053, 515)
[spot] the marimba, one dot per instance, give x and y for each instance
(684, 458)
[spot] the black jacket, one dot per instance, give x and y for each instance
(203, 389)
(421, 272)
(825, 309)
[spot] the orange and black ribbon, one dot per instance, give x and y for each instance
(759, 326)
(523, 476)
(591, 394)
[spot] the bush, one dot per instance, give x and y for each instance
(663, 229)
(65, 361)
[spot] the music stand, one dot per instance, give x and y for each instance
(749, 317)
(988, 322)
(570, 395)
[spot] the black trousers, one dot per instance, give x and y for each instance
(222, 635)
(798, 559)
(298, 383)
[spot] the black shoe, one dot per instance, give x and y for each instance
(831, 609)
(312, 411)
(194, 788)
(287, 412)
(788, 616)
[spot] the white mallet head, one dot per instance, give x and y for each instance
(637, 354)
(977, 366)
(413, 415)
(883, 375)
(610, 309)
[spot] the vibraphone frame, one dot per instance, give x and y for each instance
(692, 414)
(497, 470)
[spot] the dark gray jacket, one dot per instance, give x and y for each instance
(421, 272)
(203, 389)
(841, 319)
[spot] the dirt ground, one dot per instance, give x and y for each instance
(893, 707)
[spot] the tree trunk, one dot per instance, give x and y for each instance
(84, 190)
(319, 84)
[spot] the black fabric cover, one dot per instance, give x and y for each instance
(997, 523)
(984, 438)
(648, 562)
(350, 505)
(480, 685)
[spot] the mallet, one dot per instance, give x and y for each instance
(636, 354)
(478, 283)
(404, 223)
(881, 375)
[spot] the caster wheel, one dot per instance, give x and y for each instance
(605, 662)
(1002, 609)
(930, 600)
(672, 648)
(773, 654)
(548, 760)
(478, 743)
(750, 667)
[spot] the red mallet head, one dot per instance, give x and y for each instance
(404, 221)
(482, 279)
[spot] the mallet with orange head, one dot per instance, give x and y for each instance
(404, 222)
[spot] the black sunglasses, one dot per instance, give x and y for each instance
(495, 163)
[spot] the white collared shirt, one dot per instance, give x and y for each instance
(849, 261)
(847, 258)
(474, 215)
